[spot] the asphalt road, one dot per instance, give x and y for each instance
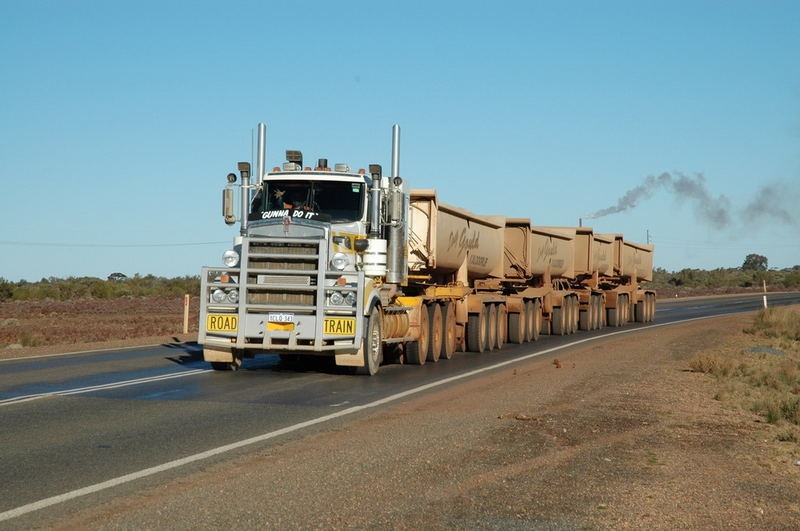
(80, 428)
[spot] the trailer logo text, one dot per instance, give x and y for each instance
(462, 241)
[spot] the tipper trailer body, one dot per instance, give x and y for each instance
(355, 265)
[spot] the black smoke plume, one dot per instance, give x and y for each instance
(769, 202)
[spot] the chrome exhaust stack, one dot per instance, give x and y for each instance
(397, 221)
(262, 152)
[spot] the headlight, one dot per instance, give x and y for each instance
(233, 296)
(336, 298)
(350, 298)
(339, 261)
(230, 258)
(218, 295)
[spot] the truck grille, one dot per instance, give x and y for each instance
(282, 273)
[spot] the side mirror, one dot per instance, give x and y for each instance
(227, 206)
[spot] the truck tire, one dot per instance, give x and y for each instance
(435, 335)
(373, 344)
(502, 325)
(651, 315)
(515, 330)
(491, 327)
(625, 310)
(417, 351)
(448, 331)
(572, 314)
(613, 316)
(530, 321)
(603, 313)
(535, 321)
(597, 301)
(586, 318)
(476, 331)
(559, 321)
(640, 311)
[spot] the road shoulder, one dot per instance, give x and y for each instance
(616, 434)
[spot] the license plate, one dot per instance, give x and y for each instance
(280, 317)
(340, 327)
(222, 322)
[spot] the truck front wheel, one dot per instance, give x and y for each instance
(373, 345)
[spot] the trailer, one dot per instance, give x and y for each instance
(355, 265)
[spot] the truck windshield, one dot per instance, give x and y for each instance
(342, 201)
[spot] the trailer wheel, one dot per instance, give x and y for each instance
(572, 313)
(652, 306)
(559, 323)
(448, 331)
(435, 336)
(536, 321)
(613, 316)
(220, 365)
(476, 331)
(650, 300)
(502, 325)
(599, 310)
(417, 351)
(626, 310)
(491, 327)
(586, 317)
(373, 345)
(640, 310)
(525, 321)
(515, 333)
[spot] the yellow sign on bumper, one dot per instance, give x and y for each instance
(340, 326)
(226, 322)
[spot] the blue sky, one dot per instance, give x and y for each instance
(120, 120)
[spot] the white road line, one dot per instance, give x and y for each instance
(112, 385)
(127, 478)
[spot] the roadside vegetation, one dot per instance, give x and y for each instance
(43, 323)
(56, 311)
(752, 276)
(117, 285)
(760, 370)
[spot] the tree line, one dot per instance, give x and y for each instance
(116, 285)
(752, 274)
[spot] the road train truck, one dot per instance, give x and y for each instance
(356, 265)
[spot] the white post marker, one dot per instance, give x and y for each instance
(186, 314)
(764, 283)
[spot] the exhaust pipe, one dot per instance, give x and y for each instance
(397, 226)
(395, 150)
(261, 156)
(262, 151)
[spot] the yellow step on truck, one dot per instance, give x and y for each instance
(355, 265)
